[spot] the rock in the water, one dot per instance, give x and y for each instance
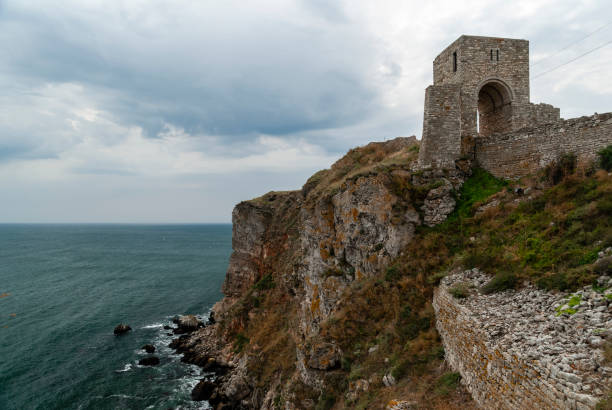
(149, 348)
(121, 329)
(149, 361)
(203, 390)
(187, 323)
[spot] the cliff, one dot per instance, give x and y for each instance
(328, 295)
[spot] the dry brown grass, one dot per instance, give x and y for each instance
(373, 158)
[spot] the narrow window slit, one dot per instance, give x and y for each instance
(455, 61)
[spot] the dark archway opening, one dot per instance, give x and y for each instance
(494, 109)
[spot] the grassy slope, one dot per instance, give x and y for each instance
(552, 239)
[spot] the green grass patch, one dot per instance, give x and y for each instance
(572, 303)
(574, 300)
(240, 342)
(447, 383)
(478, 187)
(265, 283)
(393, 273)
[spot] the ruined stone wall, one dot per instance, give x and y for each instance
(541, 114)
(441, 144)
(514, 352)
(527, 150)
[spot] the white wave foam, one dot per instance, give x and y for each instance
(153, 326)
(124, 396)
(126, 368)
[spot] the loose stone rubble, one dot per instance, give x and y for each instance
(526, 348)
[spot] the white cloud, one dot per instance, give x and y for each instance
(95, 143)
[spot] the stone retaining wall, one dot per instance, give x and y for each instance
(514, 352)
(527, 150)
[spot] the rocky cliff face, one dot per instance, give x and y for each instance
(261, 229)
(329, 291)
(304, 249)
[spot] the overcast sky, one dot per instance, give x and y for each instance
(174, 111)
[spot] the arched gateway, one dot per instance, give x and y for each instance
(481, 87)
(494, 108)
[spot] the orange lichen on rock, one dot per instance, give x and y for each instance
(314, 305)
(324, 253)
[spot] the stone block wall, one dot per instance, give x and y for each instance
(486, 79)
(475, 67)
(527, 150)
(514, 352)
(441, 143)
(541, 114)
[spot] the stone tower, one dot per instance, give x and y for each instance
(481, 87)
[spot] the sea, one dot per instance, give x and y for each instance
(64, 288)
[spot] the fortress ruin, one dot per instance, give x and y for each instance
(478, 108)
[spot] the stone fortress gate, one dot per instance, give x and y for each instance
(481, 92)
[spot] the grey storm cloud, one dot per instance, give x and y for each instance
(222, 74)
(168, 111)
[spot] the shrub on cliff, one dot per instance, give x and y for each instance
(500, 282)
(563, 166)
(605, 158)
(265, 283)
(555, 281)
(240, 342)
(326, 401)
(459, 291)
(393, 273)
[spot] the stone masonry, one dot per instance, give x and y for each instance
(480, 95)
(529, 149)
(528, 348)
(442, 123)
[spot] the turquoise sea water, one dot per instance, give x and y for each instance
(69, 285)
